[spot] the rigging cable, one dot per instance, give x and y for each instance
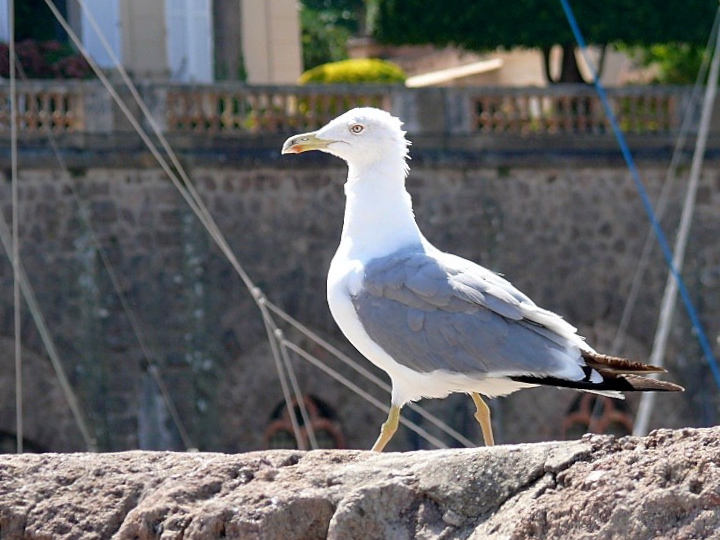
(355, 388)
(662, 240)
(36, 312)
(214, 230)
(688, 120)
(345, 359)
(187, 189)
(661, 206)
(669, 297)
(19, 427)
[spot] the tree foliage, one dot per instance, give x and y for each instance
(487, 24)
(34, 20)
(326, 27)
(44, 60)
(676, 63)
(481, 25)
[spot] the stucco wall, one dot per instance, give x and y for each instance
(271, 41)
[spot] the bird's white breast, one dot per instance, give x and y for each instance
(345, 280)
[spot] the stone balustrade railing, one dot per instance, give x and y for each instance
(236, 109)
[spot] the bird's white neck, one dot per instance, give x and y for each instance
(378, 213)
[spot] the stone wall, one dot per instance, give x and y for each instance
(567, 234)
(664, 485)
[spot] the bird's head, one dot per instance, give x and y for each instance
(360, 136)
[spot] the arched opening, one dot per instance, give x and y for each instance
(324, 424)
(591, 413)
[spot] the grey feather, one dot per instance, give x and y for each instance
(428, 313)
(415, 319)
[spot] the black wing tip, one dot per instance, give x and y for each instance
(622, 383)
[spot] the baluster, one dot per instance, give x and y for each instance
(191, 110)
(512, 113)
(595, 119)
(65, 116)
(501, 117)
(672, 115)
(249, 112)
(549, 113)
(211, 114)
(292, 105)
(279, 113)
(4, 115)
(238, 110)
(568, 120)
(170, 119)
(55, 107)
(78, 112)
(272, 124)
(543, 113)
(261, 112)
(308, 113)
(30, 111)
(183, 111)
(632, 120)
(580, 106)
(223, 112)
(322, 110)
(481, 114)
(284, 112)
(662, 114)
(523, 121)
(198, 116)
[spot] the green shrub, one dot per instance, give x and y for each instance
(355, 70)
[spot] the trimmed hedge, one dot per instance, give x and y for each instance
(355, 70)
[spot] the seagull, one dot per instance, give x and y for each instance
(434, 322)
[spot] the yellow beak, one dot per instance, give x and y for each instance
(303, 143)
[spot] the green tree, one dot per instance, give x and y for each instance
(481, 25)
(676, 63)
(326, 27)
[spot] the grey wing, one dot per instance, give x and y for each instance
(432, 312)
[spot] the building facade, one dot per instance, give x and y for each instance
(189, 41)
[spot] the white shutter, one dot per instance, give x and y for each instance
(107, 17)
(201, 40)
(190, 40)
(4, 24)
(175, 18)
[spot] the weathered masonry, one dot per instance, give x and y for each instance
(538, 193)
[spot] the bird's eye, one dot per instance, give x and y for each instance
(357, 128)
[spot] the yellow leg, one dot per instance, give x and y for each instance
(388, 429)
(483, 417)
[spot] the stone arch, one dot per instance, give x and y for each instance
(47, 419)
(323, 422)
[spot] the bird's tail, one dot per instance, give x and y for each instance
(618, 375)
(613, 368)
